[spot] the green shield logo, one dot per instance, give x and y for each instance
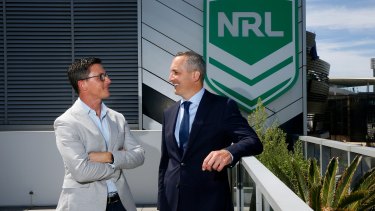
(251, 49)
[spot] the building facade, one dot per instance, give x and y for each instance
(136, 39)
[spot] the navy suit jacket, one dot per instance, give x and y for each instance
(182, 183)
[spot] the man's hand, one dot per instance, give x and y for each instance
(101, 157)
(217, 160)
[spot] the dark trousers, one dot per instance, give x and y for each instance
(115, 206)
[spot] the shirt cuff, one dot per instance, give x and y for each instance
(113, 164)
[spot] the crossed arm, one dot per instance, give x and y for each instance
(101, 157)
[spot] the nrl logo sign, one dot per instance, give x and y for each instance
(251, 49)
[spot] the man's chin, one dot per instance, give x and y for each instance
(177, 91)
(107, 96)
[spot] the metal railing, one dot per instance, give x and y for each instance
(324, 149)
(257, 188)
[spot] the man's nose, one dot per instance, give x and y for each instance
(108, 80)
(171, 77)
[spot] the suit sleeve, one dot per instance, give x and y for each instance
(162, 201)
(245, 141)
(132, 155)
(75, 157)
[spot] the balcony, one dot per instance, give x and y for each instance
(30, 162)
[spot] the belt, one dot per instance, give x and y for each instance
(113, 198)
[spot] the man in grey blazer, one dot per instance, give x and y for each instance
(95, 144)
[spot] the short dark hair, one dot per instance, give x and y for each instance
(194, 61)
(79, 69)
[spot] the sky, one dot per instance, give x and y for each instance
(345, 35)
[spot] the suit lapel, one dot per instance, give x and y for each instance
(113, 130)
(200, 117)
(79, 113)
(170, 126)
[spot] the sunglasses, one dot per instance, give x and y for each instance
(101, 76)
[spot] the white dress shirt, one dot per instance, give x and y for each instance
(195, 100)
(103, 126)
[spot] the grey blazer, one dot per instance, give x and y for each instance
(84, 186)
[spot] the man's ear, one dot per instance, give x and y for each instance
(82, 85)
(196, 75)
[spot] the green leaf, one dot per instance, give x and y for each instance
(345, 180)
(282, 176)
(329, 183)
(352, 198)
(366, 181)
(301, 182)
(315, 199)
(368, 203)
(314, 173)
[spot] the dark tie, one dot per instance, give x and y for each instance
(184, 127)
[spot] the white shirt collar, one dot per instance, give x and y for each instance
(196, 99)
(89, 110)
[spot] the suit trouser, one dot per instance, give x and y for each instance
(117, 206)
(114, 204)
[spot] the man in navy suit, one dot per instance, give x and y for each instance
(196, 151)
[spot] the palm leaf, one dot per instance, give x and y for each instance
(314, 173)
(368, 202)
(282, 176)
(315, 197)
(352, 198)
(344, 181)
(329, 183)
(366, 181)
(367, 206)
(301, 182)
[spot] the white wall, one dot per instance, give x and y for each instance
(29, 161)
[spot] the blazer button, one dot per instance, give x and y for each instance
(183, 164)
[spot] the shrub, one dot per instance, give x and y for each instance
(276, 156)
(303, 176)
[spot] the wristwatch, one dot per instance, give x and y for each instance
(113, 160)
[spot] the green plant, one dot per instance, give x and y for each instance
(303, 176)
(275, 155)
(327, 193)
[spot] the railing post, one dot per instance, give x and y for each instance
(239, 192)
(349, 159)
(267, 206)
(305, 142)
(321, 159)
(258, 199)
